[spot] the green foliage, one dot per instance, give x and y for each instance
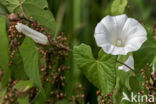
(3, 10)
(2, 93)
(44, 17)
(23, 86)
(23, 100)
(59, 18)
(12, 5)
(15, 5)
(77, 12)
(118, 7)
(29, 54)
(134, 84)
(37, 9)
(40, 3)
(77, 18)
(17, 68)
(147, 52)
(102, 72)
(4, 60)
(4, 54)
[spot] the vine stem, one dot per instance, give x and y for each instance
(25, 16)
(20, 1)
(127, 66)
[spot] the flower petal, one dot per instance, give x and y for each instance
(129, 62)
(101, 35)
(118, 35)
(135, 35)
(134, 44)
(114, 24)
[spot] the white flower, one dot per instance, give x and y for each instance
(35, 35)
(118, 35)
(129, 62)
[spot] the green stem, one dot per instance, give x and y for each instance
(127, 66)
(116, 92)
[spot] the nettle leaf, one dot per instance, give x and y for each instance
(4, 54)
(118, 7)
(101, 73)
(30, 55)
(14, 5)
(146, 53)
(44, 17)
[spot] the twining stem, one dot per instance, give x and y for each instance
(20, 1)
(26, 19)
(59, 44)
(127, 66)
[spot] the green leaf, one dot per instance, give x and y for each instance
(3, 10)
(4, 54)
(122, 80)
(44, 17)
(118, 7)
(29, 54)
(14, 5)
(38, 9)
(23, 86)
(23, 100)
(122, 75)
(59, 18)
(43, 4)
(17, 68)
(134, 84)
(147, 52)
(2, 93)
(101, 73)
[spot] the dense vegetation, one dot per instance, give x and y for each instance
(71, 68)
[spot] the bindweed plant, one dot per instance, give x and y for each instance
(41, 65)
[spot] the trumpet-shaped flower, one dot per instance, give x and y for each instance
(129, 62)
(35, 35)
(118, 35)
